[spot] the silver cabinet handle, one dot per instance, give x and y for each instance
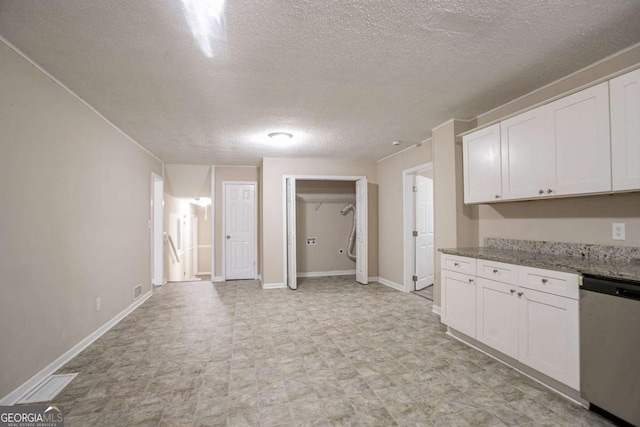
(541, 192)
(549, 191)
(513, 291)
(497, 196)
(520, 294)
(495, 270)
(455, 264)
(544, 280)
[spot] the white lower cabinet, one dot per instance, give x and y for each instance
(534, 322)
(497, 316)
(549, 335)
(459, 302)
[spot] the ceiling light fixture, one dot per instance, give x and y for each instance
(280, 137)
(396, 143)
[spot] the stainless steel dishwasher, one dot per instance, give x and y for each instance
(610, 346)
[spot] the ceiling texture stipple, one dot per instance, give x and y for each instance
(346, 78)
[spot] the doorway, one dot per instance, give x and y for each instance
(157, 190)
(239, 230)
(418, 230)
(360, 211)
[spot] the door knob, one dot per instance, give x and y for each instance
(520, 294)
(512, 291)
(544, 280)
(228, 237)
(495, 270)
(470, 280)
(497, 196)
(549, 191)
(541, 192)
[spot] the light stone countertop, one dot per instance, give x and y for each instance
(627, 270)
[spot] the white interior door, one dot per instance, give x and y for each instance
(362, 255)
(292, 273)
(240, 226)
(424, 241)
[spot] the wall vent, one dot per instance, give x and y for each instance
(48, 389)
(137, 291)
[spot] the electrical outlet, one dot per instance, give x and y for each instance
(98, 304)
(618, 232)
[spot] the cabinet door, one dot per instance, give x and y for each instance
(625, 131)
(578, 127)
(481, 161)
(497, 316)
(527, 155)
(459, 302)
(548, 338)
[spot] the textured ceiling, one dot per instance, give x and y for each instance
(345, 77)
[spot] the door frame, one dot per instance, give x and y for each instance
(156, 228)
(408, 215)
(353, 178)
(224, 225)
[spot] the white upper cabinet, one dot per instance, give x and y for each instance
(578, 131)
(481, 162)
(625, 131)
(527, 155)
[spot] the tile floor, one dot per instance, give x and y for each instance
(332, 353)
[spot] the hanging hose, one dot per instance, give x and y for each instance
(352, 236)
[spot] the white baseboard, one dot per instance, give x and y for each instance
(273, 286)
(372, 279)
(391, 284)
(15, 395)
(328, 273)
(436, 309)
(218, 279)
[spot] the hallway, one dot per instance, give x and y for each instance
(331, 353)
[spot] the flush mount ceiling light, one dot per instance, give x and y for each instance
(396, 142)
(280, 137)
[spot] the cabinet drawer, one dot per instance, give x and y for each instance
(551, 282)
(458, 263)
(499, 271)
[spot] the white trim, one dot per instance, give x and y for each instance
(75, 95)
(218, 279)
(436, 309)
(326, 197)
(408, 213)
(255, 225)
(18, 393)
(203, 246)
(451, 121)
(372, 279)
(327, 273)
(273, 286)
(212, 222)
(202, 273)
(237, 166)
(391, 284)
(157, 259)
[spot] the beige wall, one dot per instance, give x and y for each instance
(273, 170)
(75, 204)
(332, 231)
(390, 212)
(232, 173)
(581, 219)
(204, 239)
(189, 181)
(456, 225)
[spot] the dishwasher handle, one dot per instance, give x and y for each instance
(628, 293)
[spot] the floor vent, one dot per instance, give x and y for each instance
(137, 291)
(48, 389)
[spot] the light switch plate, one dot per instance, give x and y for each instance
(312, 241)
(618, 232)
